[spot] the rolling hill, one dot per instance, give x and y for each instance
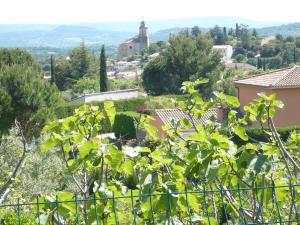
(113, 33)
(292, 29)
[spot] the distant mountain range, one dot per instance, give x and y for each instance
(113, 33)
(292, 29)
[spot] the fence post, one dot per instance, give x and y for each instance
(114, 208)
(57, 211)
(241, 205)
(19, 213)
(76, 205)
(170, 208)
(205, 203)
(296, 210)
(188, 206)
(151, 207)
(223, 205)
(276, 202)
(38, 209)
(260, 208)
(96, 211)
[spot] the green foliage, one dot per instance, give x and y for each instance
(239, 58)
(218, 35)
(258, 135)
(120, 105)
(153, 48)
(52, 69)
(162, 102)
(9, 57)
(186, 58)
(80, 59)
(85, 85)
(124, 105)
(206, 157)
(63, 77)
(124, 125)
(78, 64)
(103, 72)
(10, 217)
(121, 84)
(39, 175)
(155, 78)
(195, 31)
(27, 98)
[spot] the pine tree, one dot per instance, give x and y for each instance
(195, 31)
(103, 72)
(52, 70)
(254, 32)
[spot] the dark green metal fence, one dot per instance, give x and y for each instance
(256, 205)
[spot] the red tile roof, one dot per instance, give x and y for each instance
(167, 115)
(284, 78)
(240, 66)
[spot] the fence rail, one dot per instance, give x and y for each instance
(257, 205)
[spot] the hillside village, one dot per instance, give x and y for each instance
(185, 125)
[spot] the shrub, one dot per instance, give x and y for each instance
(10, 217)
(120, 105)
(124, 105)
(161, 102)
(258, 135)
(124, 127)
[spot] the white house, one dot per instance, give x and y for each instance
(110, 95)
(123, 65)
(225, 50)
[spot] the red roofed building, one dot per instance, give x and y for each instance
(285, 83)
(170, 116)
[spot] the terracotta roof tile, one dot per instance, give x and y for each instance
(283, 78)
(242, 66)
(167, 115)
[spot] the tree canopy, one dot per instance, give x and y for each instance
(27, 98)
(185, 58)
(10, 57)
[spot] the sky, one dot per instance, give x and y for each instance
(77, 11)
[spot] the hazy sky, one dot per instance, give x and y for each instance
(74, 11)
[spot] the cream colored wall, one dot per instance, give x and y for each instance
(286, 117)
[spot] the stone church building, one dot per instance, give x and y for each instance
(135, 45)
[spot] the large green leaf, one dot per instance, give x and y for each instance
(241, 132)
(87, 147)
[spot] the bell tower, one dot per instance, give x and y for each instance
(143, 36)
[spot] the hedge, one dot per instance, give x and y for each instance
(258, 135)
(124, 126)
(120, 105)
(123, 105)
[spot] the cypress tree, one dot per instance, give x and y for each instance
(237, 30)
(52, 70)
(264, 64)
(225, 32)
(254, 33)
(103, 72)
(259, 63)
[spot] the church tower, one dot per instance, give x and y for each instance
(143, 36)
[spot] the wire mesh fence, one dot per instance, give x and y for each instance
(253, 205)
